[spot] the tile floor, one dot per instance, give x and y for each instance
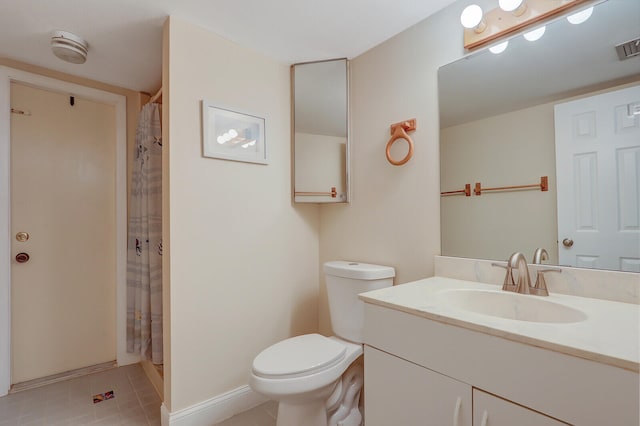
(135, 403)
(71, 402)
(262, 415)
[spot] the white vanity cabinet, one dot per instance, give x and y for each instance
(416, 368)
(401, 393)
(489, 410)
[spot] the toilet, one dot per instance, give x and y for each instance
(316, 379)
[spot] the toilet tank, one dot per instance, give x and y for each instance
(345, 280)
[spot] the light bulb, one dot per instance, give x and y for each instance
(499, 48)
(510, 5)
(471, 18)
(517, 7)
(233, 133)
(580, 17)
(535, 34)
(220, 140)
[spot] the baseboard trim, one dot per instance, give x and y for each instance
(154, 377)
(214, 410)
(55, 378)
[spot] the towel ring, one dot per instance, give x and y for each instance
(399, 131)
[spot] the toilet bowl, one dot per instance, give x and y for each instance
(302, 372)
(305, 373)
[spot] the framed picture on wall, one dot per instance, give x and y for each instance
(232, 135)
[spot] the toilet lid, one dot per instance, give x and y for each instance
(298, 355)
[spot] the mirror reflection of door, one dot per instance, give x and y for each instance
(320, 125)
(597, 150)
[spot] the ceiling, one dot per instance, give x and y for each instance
(125, 36)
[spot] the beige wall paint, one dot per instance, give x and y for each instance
(242, 271)
(394, 216)
(515, 148)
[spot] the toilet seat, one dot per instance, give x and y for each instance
(299, 356)
(295, 386)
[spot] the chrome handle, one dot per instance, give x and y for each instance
(456, 412)
(508, 284)
(485, 418)
(541, 284)
(22, 257)
(567, 242)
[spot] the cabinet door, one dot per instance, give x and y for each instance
(489, 410)
(398, 392)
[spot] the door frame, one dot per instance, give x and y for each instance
(8, 75)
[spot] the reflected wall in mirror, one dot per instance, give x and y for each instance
(497, 127)
(320, 131)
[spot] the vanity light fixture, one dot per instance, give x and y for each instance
(499, 48)
(535, 34)
(471, 18)
(517, 7)
(515, 16)
(232, 138)
(580, 17)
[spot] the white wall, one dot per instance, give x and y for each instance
(515, 148)
(242, 267)
(394, 216)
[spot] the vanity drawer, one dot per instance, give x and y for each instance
(489, 410)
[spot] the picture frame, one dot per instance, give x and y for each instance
(232, 135)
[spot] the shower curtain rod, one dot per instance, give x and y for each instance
(157, 96)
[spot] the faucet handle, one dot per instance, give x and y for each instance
(539, 255)
(540, 287)
(508, 284)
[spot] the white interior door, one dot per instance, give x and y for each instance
(63, 183)
(598, 178)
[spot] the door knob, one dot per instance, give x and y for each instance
(22, 257)
(567, 242)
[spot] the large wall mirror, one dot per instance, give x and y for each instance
(503, 118)
(321, 131)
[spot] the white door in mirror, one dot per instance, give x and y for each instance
(598, 148)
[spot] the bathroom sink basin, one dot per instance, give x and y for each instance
(510, 306)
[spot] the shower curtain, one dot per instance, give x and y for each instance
(144, 251)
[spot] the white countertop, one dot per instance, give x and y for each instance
(610, 334)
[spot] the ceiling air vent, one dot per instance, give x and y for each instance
(628, 49)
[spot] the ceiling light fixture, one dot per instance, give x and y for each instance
(69, 47)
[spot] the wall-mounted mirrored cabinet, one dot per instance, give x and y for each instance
(321, 131)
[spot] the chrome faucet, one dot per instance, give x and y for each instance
(523, 286)
(540, 255)
(518, 261)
